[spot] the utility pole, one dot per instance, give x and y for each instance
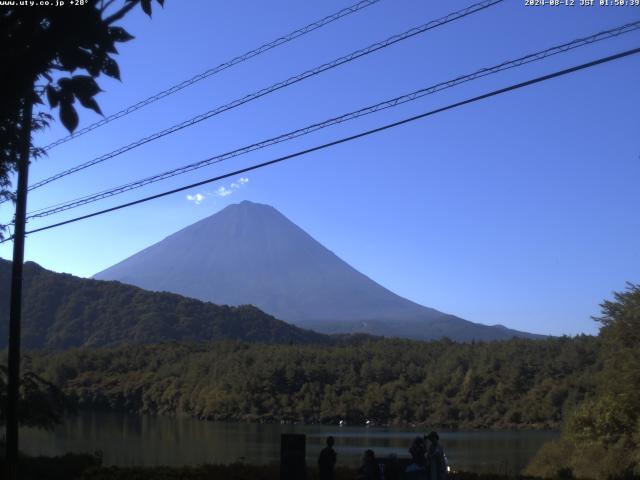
(15, 312)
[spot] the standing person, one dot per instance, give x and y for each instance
(418, 450)
(436, 459)
(417, 469)
(369, 469)
(327, 461)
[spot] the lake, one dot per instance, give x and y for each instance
(148, 440)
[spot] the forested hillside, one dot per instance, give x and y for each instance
(601, 437)
(519, 383)
(63, 311)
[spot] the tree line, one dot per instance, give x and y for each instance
(513, 384)
(601, 437)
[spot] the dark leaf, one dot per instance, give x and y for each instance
(161, 2)
(66, 91)
(110, 68)
(40, 121)
(65, 84)
(84, 86)
(68, 116)
(105, 41)
(90, 103)
(74, 58)
(94, 67)
(119, 34)
(83, 57)
(68, 59)
(37, 152)
(110, 47)
(146, 6)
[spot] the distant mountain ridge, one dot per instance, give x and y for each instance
(250, 253)
(62, 311)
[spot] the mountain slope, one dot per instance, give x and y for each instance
(251, 253)
(62, 311)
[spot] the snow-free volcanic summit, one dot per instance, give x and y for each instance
(250, 253)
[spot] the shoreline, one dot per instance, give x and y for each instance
(89, 467)
(450, 427)
(129, 440)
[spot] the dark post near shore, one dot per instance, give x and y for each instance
(293, 448)
(15, 309)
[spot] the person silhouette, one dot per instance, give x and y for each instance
(436, 459)
(418, 450)
(369, 469)
(417, 469)
(327, 461)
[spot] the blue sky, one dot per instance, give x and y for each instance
(520, 210)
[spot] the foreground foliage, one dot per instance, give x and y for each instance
(41, 404)
(519, 383)
(601, 438)
(39, 42)
(88, 467)
(239, 472)
(66, 467)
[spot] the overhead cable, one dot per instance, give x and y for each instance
(532, 57)
(493, 93)
(212, 71)
(277, 86)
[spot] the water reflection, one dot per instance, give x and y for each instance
(146, 440)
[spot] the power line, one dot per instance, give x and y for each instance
(223, 66)
(348, 139)
(265, 91)
(532, 57)
(277, 86)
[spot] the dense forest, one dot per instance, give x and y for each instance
(601, 437)
(109, 346)
(63, 311)
(519, 383)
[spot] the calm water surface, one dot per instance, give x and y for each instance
(147, 440)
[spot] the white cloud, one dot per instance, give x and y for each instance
(198, 198)
(223, 192)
